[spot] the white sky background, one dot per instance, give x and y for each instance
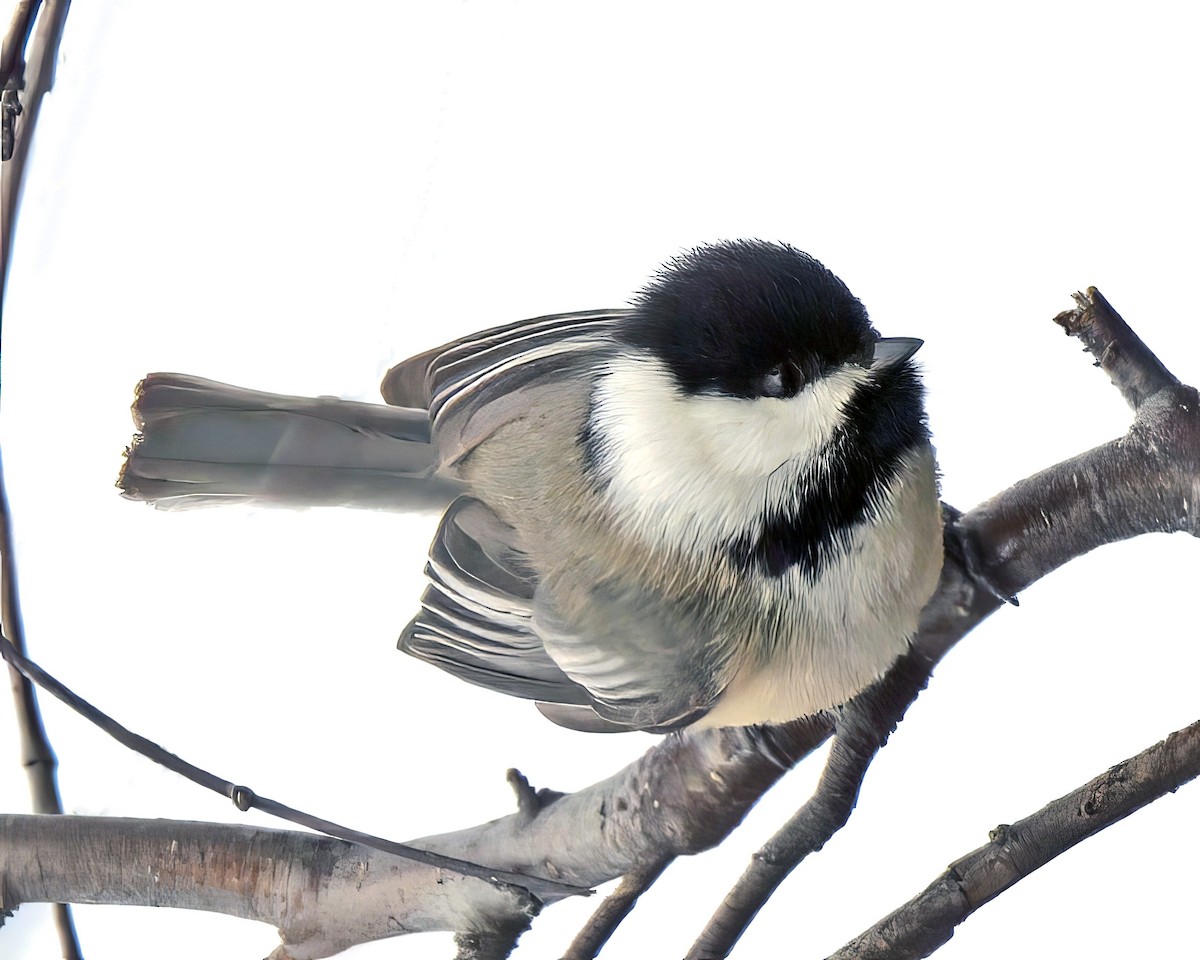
(294, 196)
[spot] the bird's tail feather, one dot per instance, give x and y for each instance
(201, 442)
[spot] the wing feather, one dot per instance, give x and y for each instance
(485, 617)
(416, 381)
(476, 614)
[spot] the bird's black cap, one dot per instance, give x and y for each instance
(722, 316)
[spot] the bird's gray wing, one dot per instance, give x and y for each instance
(476, 614)
(417, 381)
(474, 386)
(600, 660)
(619, 663)
(643, 662)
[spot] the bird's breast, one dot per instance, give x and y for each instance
(814, 640)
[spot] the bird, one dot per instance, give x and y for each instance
(717, 506)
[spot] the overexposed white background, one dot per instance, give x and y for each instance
(293, 196)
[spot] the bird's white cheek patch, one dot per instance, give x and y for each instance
(754, 437)
(686, 469)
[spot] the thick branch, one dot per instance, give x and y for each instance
(324, 895)
(928, 920)
(684, 795)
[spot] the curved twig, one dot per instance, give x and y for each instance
(862, 729)
(37, 756)
(246, 799)
(17, 122)
(1013, 852)
(22, 118)
(614, 909)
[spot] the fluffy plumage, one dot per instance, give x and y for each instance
(719, 506)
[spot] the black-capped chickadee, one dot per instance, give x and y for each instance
(718, 507)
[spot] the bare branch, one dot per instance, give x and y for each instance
(684, 795)
(862, 729)
(39, 78)
(615, 908)
(17, 123)
(1134, 369)
(12, 64)
(37, 756)
(928, 920)
(245, 799)
(324, 895)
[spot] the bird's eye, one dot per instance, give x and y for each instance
(782, 380)
(770, 384)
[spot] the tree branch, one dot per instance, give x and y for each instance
(12, 64)
(37, 756)
(17, 122)
(324, 895)
(1131, 365)
(928, 920)
(685, 795)
(861, 731)
(613, 911)
(20, 119)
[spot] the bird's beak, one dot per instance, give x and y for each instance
(893, 351)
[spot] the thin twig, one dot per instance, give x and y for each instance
(17, 123)
(1013, 852)
(613, 910)
(15, 40)
(12, 72)
(37, 756)
(244, 798)
(39, 78)
(862, 730)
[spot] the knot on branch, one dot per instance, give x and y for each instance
(243, 797)
(530, 802)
